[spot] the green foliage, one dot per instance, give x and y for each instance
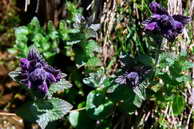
(98, 106)
(98, 100)
(59, 86)
(81, 120)
(85, 54)
(74, 35)
(44, 111)
(45, 40)
(178, 105)
(96, 80)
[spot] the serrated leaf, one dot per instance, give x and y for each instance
(34, 22)
(53, 34)
(44, 111)
(95, 79)
(183, 78)
(58, 110)
(15, 74)
(21, 34)
(73, 31)
(59, 86)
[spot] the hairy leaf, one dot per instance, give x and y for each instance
(59, 86)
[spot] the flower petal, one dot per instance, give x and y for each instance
(183, 19)
(24, 63)
(43, 87)
(151, 26)
(38, 75)
(51, 78)
(121, 80)
(157, 9)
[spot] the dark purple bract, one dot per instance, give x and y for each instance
(36, 73)
(130, 78)
(163, 23)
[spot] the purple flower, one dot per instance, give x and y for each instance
(134, 75)
(36, 73)
(157, 9)
(163, 23)
(152, 26)
(129, 78)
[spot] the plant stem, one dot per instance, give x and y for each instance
(79, 109)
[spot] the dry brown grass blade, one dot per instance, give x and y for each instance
(107, 21)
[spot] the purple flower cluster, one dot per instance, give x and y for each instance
(129, 78)
(134, 75)
(36, 73)
(167, 25)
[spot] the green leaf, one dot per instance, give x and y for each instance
(146, 60)
(63, 30)
(44, 111)
(39, 40)
(178, 104)
(119, 92)
(81, 120)
(183, 78)
(95, 79)
(140, 90)
(21, 34)
(58, 109)
(73, 42)
(127, 106)
(188, 65)
(59, 86)
(137, 101)
(92, 62)
(97, 105)
(90, 47)
(15, 74)
(52, 33)
(34, 22)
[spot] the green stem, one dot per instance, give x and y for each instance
(79, 109)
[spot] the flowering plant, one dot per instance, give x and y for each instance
(36, 73)
(41, 79)
(165, 24)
